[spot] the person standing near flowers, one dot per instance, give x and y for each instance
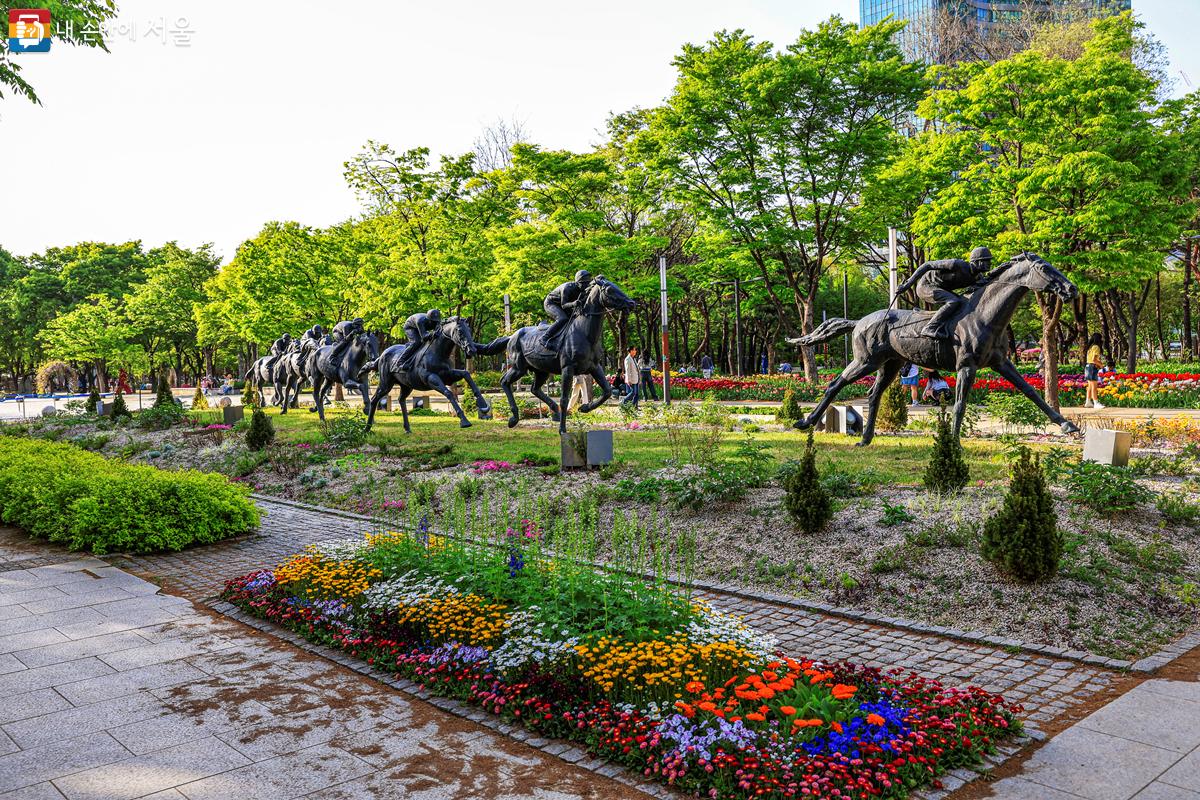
(1091, 372)
(910, 377)
(633, 375)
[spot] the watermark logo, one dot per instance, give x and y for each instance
(29, 30)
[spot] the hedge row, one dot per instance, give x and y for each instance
(64, 494)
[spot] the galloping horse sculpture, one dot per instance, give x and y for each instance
(348, 371)
(261, 374)
(431, 370)
(884, 340)
(577, 352)
(293, 368)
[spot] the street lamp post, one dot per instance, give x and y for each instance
(666, 360)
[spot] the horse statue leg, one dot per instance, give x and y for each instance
(568, 383)
(381, 391)
(405, 391)
(962, 390)
(481, 403)
(438, 385)
(601, 379)
(854, 371)
(511, 376)
(1013, 376)
(318, 381)
(886, 375)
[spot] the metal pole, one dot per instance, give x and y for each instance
(507, 315)
(892, 282)
(737, 322)
(846, 312)
(666, 360)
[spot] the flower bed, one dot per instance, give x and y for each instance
(638, 672)
(1129, 390)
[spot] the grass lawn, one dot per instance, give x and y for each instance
(892, 459)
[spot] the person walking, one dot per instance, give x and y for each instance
(647, 384)
(910, 377)
(633, 376)
(706, 366)
(1091, 372)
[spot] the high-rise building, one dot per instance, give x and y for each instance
(947, 30)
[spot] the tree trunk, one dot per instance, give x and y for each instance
(1162, 342)
(101, 375)
(808, 353)
(1051, 308)
(1080, 307)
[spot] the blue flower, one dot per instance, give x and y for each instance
(857, 731)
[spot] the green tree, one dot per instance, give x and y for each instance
(1023, 537)
(805, 498)
(95, 332)
(947, 470)
(69, 20)
(773, 149)
(162, 307)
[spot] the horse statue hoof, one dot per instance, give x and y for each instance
(1069, 427)
(801, 425)
(485, 414)
(464, 423)
(512, 421)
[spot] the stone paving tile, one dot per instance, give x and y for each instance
(27, 680)
(1185, 773)
(1139, 716)
(177, 725)
(34, 595)
(158, 652)
(70, 649)
(153, 772)
(289, 775)
(130, 681)
(31, 704)
(33, 622)
(61, 601)
(10, 663)
(58, 758)
(39, 791)
(30, 639)
(91, 718)
(1163, 791)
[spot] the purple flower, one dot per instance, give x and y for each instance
(687, 737)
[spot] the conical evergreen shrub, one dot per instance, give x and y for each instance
(199, 401)
(262, 431)
(249, 396)
(1023, 537)
(789, 411)
(92, 401)
(947, 470)
(806, 499)
(119, 409)
(893, 409)
(162, 395)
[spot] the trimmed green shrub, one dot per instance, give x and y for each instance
(119, 408)
(92, 401)
(249, 396)
(806, 499)
(789, 410)
(159, 418)
(346, 430)
(262, 431)
(947, 470)
(62, 493)
(199, 401)
(1023, 537)
(163, 396)
(893, 409)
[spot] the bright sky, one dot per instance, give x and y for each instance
(254, 120)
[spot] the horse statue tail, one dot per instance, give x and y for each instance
(495, 346)
(829, 329)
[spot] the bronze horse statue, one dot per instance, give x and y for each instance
(348, 371)
(886, 339)
(577, 353)
(431, 370)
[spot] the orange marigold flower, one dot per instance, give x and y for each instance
(756, 717)
(837, 726)
(707, 706)
(687, 710)
(789, 711)
(769, 675)
(843, 691)
(874, 719)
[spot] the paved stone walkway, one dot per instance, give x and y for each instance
(1143, 746)
(112, 690)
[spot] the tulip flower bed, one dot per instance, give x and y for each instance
(632, 668)
(1133, 390)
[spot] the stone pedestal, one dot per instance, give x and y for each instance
(224, 402)
(570, 458)
(1106, 447)
(599, 447)
(843, 419)
(231, 415)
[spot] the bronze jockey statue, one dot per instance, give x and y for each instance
(344, 333)
(937, 282)
(560, 305)
(418, 329)
(281, 345)
(315, 334)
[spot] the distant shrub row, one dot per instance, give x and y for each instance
(64, 494)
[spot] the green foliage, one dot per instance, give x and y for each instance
(1023, 537)
(199, 401)
(262, 430)
(947, 470)
(93, 399)
(249, 396)
(893, 409)
(895, 514)
(158, 418)
(1103, 488)
(162, 392)
(64, 494)
(806, 499)
(789, 410)
(1177, 509)
(1014, 410)
(344, 431)
(119, 409)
